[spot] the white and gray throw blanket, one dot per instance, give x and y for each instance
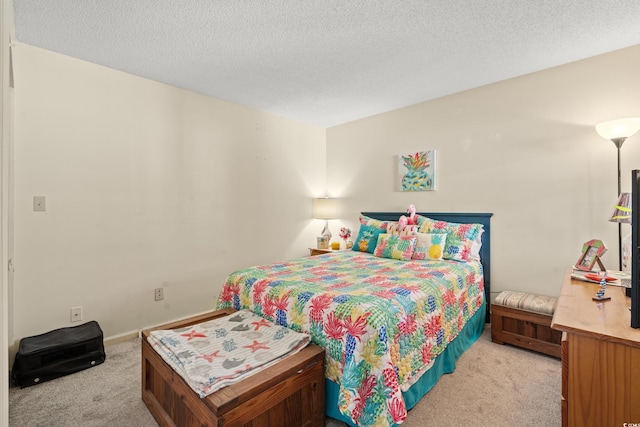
(224, 351)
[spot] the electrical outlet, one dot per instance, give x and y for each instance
(76, 314)
(159, 294)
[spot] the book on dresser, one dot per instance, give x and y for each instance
(613, 277)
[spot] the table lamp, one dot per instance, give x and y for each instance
(326, 209)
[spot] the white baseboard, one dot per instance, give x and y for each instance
(117, 339)
(126, 336)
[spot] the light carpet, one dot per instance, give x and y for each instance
(493, 385)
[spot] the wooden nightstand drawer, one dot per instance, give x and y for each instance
(316, 251)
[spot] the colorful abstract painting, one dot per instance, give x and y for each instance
(417, 171)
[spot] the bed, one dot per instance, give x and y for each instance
(390, 327)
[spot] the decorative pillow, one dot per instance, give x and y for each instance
(419, 219)
(460, 237)
(408, 230)
(395, 247)
(367, 238)
(365, 220)
(429, 246)
(476, 246)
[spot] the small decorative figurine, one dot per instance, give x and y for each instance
(603, 287)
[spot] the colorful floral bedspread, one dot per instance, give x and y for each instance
(381, 321)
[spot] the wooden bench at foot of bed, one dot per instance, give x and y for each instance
(524, 320)
(289, 393)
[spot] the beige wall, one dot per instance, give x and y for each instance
(525, 149)
(146, 186)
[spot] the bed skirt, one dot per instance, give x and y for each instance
(445, 363)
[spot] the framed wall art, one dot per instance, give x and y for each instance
(417, 171)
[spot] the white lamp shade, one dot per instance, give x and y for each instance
(621, 128)
(325, 208)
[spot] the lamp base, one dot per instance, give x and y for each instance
(325, 231)
(601, 298)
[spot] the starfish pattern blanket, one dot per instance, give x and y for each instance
(224, 351)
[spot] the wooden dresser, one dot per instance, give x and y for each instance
(600, 356)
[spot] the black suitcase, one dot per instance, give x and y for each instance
(57, 353)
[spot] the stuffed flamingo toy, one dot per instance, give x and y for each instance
(412, 220)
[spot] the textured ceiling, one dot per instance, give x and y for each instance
(328, 62)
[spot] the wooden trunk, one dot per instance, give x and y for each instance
(289, 393)
(524, 328)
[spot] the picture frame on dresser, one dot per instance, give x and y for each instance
(591, 253)
(635, 250)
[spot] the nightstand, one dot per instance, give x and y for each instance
(316, 251)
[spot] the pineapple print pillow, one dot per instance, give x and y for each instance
(460, 238)
(395, 247)
(367, 238)
(429, 246)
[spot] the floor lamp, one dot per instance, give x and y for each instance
(617, 131)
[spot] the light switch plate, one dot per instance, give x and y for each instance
(39, 204)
